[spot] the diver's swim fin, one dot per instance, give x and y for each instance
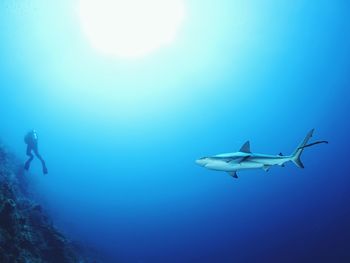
(26, 166)
(45, 170)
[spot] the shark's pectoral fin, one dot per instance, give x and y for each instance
(233, 174)
(266, 168)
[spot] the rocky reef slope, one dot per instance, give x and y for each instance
(27, 235)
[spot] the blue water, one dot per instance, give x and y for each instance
(120, 136)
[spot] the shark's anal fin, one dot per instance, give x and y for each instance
(233, 174)
(245, 148)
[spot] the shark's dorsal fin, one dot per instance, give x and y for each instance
(245, 148)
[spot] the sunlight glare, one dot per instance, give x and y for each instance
(130, 28)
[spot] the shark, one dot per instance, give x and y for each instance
(245, 159)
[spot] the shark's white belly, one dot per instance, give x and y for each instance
(232, 166)
(219, 166)
(256, 163)
(271, 161)
(247, 165)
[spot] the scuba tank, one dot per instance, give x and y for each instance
(31, 137)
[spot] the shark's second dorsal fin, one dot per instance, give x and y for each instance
(245, 148)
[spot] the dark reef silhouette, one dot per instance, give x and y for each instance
(27, 234)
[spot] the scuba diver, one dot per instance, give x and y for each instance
(31, 139)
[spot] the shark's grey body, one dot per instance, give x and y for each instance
(244, 159)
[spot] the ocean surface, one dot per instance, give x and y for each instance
(120, 136)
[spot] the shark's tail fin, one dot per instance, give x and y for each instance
(299, 150)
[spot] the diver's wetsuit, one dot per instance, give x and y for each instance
(31, 139)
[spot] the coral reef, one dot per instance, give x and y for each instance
(27, 235)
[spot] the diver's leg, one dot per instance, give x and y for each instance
(31, 157)
(41, 160)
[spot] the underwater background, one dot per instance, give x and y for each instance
(120, 136)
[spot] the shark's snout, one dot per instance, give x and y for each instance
(202, 161)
